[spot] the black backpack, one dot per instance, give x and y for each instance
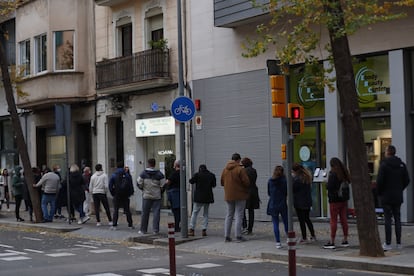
(122, 185)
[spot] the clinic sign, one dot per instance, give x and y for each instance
(368, 82)
(155, 126)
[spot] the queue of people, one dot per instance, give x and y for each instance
(241, 193)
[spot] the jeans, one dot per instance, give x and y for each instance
(196, 209)
(275, 221)
(235, 209)
(147, 205)
(97, 199)
(392, 210)
(48, 199)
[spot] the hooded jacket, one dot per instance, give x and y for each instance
(18, 182)
(204, 182)
(392, 179)
(98, 183)
(151, 181)
(277, 192)
(235, 181)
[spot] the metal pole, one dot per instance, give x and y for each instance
(183, 188)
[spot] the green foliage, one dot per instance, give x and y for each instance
(159, 44)
(297, 29)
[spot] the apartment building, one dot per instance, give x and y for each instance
(235, 99)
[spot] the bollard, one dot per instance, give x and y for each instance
(292, 253)
(171, 245)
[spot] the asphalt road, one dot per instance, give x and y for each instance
(35, 253)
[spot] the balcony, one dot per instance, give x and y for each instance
(109, 3)
(143, 70)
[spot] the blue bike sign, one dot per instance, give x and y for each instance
(183, 109)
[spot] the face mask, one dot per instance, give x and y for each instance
(58, 170)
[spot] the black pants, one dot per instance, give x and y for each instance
(303, 217)
(122, 202)
(250, 223)
(18, 199)
(392, 210)
(97, 199)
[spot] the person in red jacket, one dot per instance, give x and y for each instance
(236, 191)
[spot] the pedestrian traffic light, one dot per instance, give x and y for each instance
(296, 113)
(277, 85)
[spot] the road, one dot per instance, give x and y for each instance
(35, 253)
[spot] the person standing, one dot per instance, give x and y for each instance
(18, 190)
(120, 187)
(392, 179)
(98, 187)
(236, 185)
(151, 181)
(50, 183)
(86, 179)
(77, 192)
(204, 181)
(302, 199)
(277, 192)
(173, 192)
(338, 205)
(4, 182)
(253, 202)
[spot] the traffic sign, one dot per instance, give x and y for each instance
(183, 109)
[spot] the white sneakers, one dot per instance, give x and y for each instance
(278, 245)
(83, 219)
(386, 247)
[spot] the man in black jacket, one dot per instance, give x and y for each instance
(392, 179)
(204, 181)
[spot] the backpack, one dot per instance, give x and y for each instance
(343, 192)
(122, 185)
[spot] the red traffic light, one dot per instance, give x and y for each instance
(295, 112)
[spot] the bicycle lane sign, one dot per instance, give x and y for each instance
(183, 109)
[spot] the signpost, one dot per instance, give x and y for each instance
(183, 110)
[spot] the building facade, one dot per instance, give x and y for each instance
(236, 101)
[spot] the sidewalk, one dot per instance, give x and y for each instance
(259, 245)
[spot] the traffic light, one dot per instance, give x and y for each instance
(277, 84)
(296, 113)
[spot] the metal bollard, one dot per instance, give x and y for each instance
(292, 253)
(171, 245)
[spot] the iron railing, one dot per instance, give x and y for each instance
(141, 66)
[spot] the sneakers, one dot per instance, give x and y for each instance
(131, 227)
(278, 245)
(386, 247)
(245, 231)
(302, 241)
(191, 232)
(313, 239)
(399, 246)
(98, 224)
(83, 220)
(141, 232)
(329, 245)
(241, 239)
(110, 223)
(345, 244)
(227, 239)
(204, 233)
(113, 228)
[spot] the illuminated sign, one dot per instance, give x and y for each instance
(155, 126)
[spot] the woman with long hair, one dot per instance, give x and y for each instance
(302, 199)
(277, 191)
(338, 206)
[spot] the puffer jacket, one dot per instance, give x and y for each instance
(151, 181)
(235, 181)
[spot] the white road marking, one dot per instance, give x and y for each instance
(154, 270)
(248, 261)
(7, 246)
(32, 239)
(17, 258)
(63, 254)
(103, 251)
(7, 254)
(141, 247)
(16, 252)
(86, 246)
(34, 251)
(104, 274)
(204, 265)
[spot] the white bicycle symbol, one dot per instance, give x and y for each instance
(183, 109)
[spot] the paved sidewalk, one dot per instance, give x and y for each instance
(259, 245)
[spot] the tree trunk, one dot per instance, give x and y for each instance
(21, 144)
(369, 240)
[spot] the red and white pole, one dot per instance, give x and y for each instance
(292, 253)
(171, 245)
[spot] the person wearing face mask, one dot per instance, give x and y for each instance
(302, 199)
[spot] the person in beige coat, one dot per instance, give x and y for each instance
(236, 191)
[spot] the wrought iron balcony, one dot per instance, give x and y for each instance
(142, 70)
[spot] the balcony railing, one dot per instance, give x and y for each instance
(142, 66)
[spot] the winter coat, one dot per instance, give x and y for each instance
(253, 202)
(333, 186)
(204, 182)
(277, 192)
(50, 183)
(235, 181)
(112, 181)
(173, 189)
(302, 194)
(76, 188)
(18, 182)
(151, 181)
(392, 179)
(98, 183)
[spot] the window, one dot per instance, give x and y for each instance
(40, 53)
(63, 50)
(24, 47)
(155, 26)
(124, 36)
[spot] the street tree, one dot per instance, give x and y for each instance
(300, 31)
(6, 8)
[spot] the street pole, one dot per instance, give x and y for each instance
(183, 188)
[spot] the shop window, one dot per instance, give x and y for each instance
(64, 50)
(40, 53)
(24, 61)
